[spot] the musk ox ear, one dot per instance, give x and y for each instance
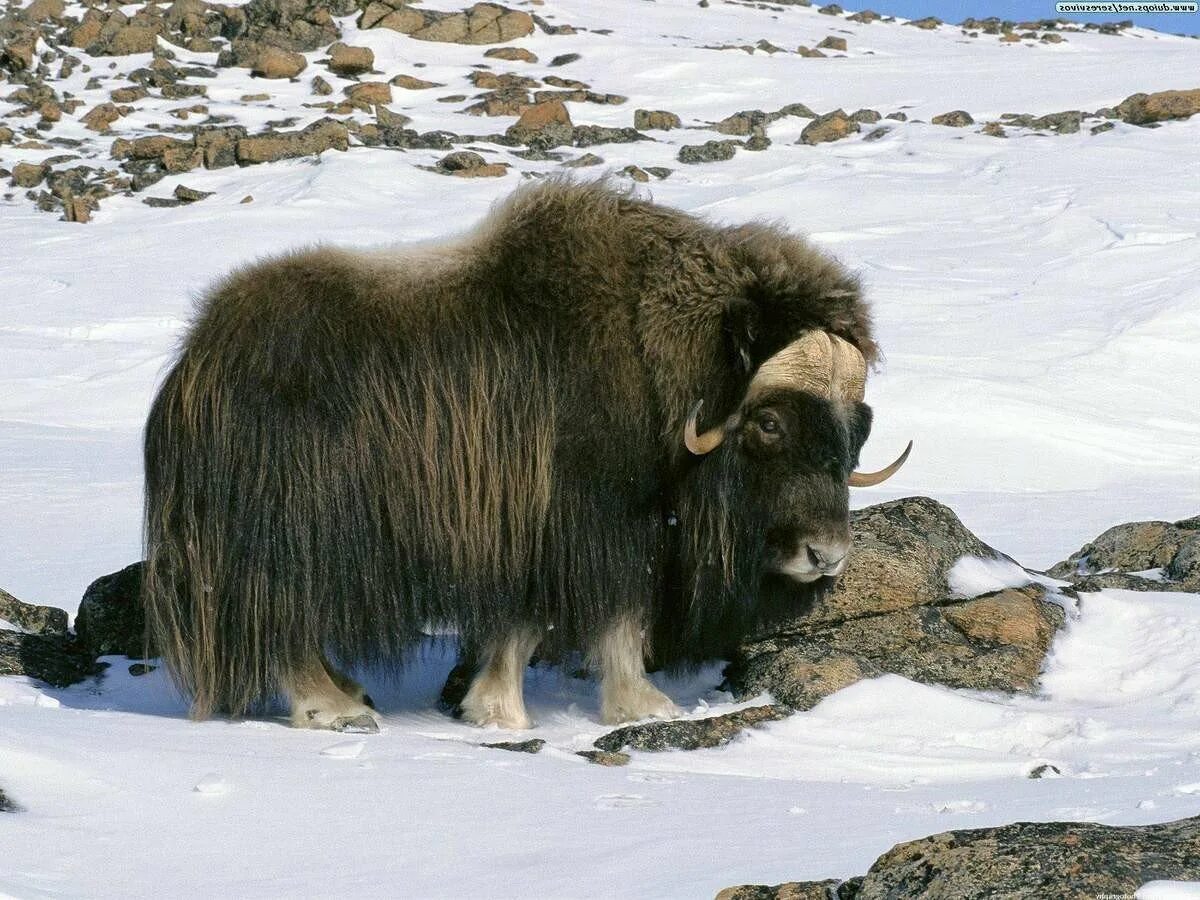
(860, 429)
(741, 330)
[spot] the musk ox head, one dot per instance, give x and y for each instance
(791, 446)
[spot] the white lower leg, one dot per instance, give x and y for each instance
(496, 695)
(625, 693)
(317, 701)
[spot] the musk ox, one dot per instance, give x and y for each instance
(592, 423)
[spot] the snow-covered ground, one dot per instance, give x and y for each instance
(1038, 299)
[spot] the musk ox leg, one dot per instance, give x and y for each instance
(319, 701)
(496, 694)
(346, 684)
(625, 693)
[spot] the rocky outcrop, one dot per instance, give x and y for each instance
(483, 23)
(1140, 556)
(689, 734)
(110, 618)
(30, 618)
(1064, 860)
(896, 611)
(57, 659)
(832, 126)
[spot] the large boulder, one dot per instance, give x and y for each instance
(903, 607)
(110, 618)
(1065, 860)
(483, 23)
(1146, 556)
(1144, 109)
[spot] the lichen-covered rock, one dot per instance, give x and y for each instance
(747, 122)
(689, 734)
(483, 23)
(30, 617)
(709, 151)
(1064, 860)
(59, 660)
(832, 126)
(110, 618)
(655, 120)
(6, 805)
(832, 43)
(548, 123)
(1161, 106)
(274, 62)
(1140, 556)
(322, 135)
(350, 61)
(956, 118)
(792, 890)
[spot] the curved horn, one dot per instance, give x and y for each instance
(701, 444)
(867, 479)
(849, 371)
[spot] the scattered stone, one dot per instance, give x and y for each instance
(1102, 127)
(957, 118)
(1045, 770)
(897, 116)
(409, 83)
(321, 87)
(832, 126)
(809, 53)
(273, 62)
(468, 164)
(655, 120)
(59, 660)
(865, 116)
(604, 757)
(369, 93)
(709, 151)
(588, 159)
(591, 135)
(350, 61)
(1162, 106)
(548, 123)
(6, 805)
(29, 175)
(636, 173)
(767, 47)
(30, 617)
(139, 669)
(747, 122)
(512, 54)
(690, 734)
(831, 9)
(483, 23)
(994, 129)
(249, 198)
(190, 195)
(876, 133)
(926, 24)
(322, 135)
(564, 59)
(757, 142)
(796, 109)
(832, 43)
(1150, 556)
(793, 890)
(866, 17)
(533, 745)
(1067, 122)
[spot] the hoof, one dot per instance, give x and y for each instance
(355, 725)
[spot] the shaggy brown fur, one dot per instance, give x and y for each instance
(479, 434)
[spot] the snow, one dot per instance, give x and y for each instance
(1039, 306)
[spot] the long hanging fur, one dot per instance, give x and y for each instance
(479, 434)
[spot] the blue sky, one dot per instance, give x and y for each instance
(957, 10)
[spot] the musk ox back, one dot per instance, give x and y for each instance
(589, 420)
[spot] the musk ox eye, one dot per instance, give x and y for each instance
(768, 423)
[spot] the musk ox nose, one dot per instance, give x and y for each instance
(814, 556)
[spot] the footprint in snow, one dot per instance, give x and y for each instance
(623, 801)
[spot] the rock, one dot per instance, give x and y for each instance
(1142, 109)
(1132, 547)
(409, 83)
(322, 135)
(549, 123)
(927, 24)
(56, 659)
(273, 62)
(897, 116)
(655, 120)
(468, 164)
(637, 174)
(140, 38)
(31, 618)
(110, 618)
(591, 135)
(1067, 122)
(792, 890)
(957, 118)
(1102, 127)
(1067, 860)
(831, 9)
(483, 23)
(6, 805)
(349, 61)
(894, 611)
(588, 159)
(301, 26)
(796, 109)
(321, 87)
(218, 144)
(709, 151)
(689, 734)
(604, 757)
(191, 195)
(832, 126)
(750, 121)
(757, 142)
(809, 53)
(876, 134)
(29, 175)
(564, 59)
(512, 54)
(866, 116)
(866, 17)
(832, 43)
(533, 745)
(100, 117)
(128, 94)
(369, 93)
(994, 129)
